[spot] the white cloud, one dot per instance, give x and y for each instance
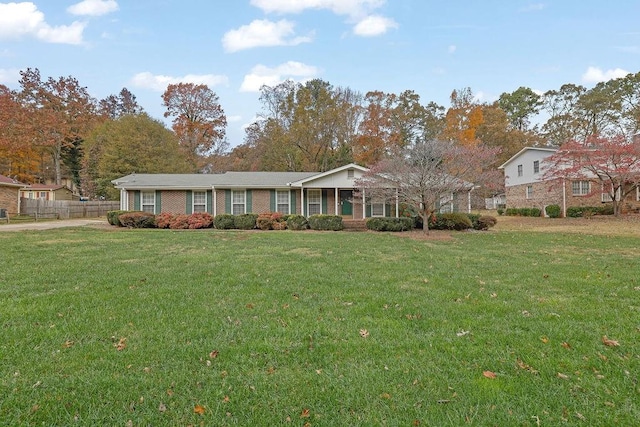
(374, 25)
(353, 8)
(452, 48)
(9, 76)
(24, 19)
(358, 11)
(597, 75)
(262, 32)
(236, 118)
(159, 83)
(262, 75)
(93, 7)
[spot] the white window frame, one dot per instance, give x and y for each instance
(148, 204)
(283, 206)
(529, 192)
(536, 166)
(350, 174)
(606, 196)
(578, 188)
(520, 172)
(638, 193)
(377, 208)
(314, 198)
(199, 205)
(236, 203)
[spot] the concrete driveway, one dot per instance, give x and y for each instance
(48, 225)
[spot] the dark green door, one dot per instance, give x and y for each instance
(345, 202)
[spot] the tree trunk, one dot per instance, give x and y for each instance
(425, 221)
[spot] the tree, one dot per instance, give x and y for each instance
(60, 113)
(116, 106)
(463, 118)
(614, 162)
(130, 144)
(520, 106)
(198, 120)
(419, 175)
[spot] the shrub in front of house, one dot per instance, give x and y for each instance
(245, 221)
(113, 217)
(450, 221)
(523, 212)
(553, 211)
(137, 220)
(224, 222)
(297, 222)
(485, 222)
(164, 219)
(199, 220)
(587, 211)
(264, 221)
(326, 222)
(390, 224)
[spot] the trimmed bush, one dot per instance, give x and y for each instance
(245, 221)
(450, 221)
(199, 220)
(390, 224)
(586, 211)
(326, 222)
(163, 220)
(113, 217)
(264, 221)
(523, 212)
(500, 211)
(224, 222)
(553, 211)
(297, 222)
(485, 222)
(137, 220)
(179, 222)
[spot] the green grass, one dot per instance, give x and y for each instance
(286, 311)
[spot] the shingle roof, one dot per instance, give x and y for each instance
(5, 180)
(223, 180)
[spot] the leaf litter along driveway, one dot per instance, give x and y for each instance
(48, 225)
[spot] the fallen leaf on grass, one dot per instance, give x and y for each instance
(566, 345)
(67, 344)
(226, 399)
(562, 376)
(544, 340)
(489, 374)
(608, 342)
(198, 409)
(162, 407)
(213, 354)
(364, 333)
(121, 345)
(305, 413)
(526, 367)
(385, 396)
(462, 333)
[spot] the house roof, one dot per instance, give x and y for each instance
(316, 175)
(207, 181)
(10, 182)
(550, 150)
(47, 187)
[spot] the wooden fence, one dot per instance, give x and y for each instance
(65, 209)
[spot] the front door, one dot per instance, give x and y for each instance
(345, 202)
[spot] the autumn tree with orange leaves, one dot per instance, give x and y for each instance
(198, 121)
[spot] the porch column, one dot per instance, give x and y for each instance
(302, 201)
(397, 204)
(335, 198)
(215, 201)
(124, 200)
(364, 205)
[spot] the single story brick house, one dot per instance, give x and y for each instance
(10, 195)
(306, 193)
(525, 186)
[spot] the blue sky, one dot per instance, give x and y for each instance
(429, 46)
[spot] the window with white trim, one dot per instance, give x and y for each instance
(42, 195)
(580, 188)
(536, 166)
(529, 191)
(238, 206)
(199, 201)
(638, 194)
(148, 201)
(314, 202)
(350, 173)
(519, 170)
(377, 208)
(282, 201)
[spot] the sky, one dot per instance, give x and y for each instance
(235, 46)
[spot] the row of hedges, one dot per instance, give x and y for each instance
(523, 212)
(580, 211)
(445, 221)
(266, 221)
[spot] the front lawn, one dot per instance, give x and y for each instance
(158, 327)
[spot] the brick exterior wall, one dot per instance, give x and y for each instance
(9, 199)
(174, 201)
(260, 201)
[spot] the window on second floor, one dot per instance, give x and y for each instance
(519, 170)
(536, 166)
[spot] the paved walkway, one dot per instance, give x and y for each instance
(48, 225)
